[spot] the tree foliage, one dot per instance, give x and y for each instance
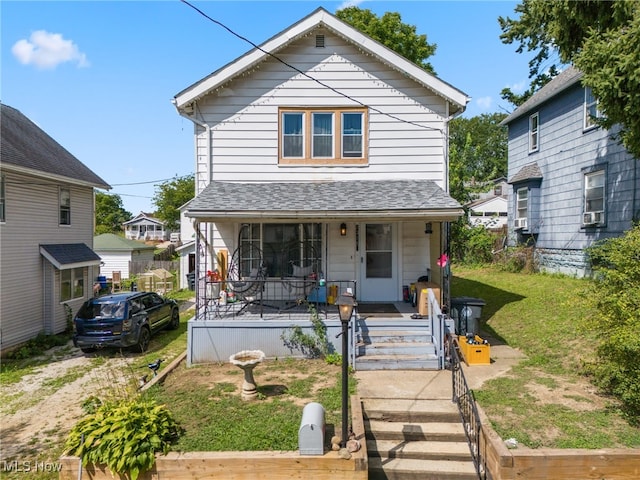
(601, 38)
(170, 196)
(110, 213)
(615, 296)
(391, 32)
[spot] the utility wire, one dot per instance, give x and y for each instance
(319, 82)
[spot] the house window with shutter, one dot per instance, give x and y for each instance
(323, 136)
(65, 206)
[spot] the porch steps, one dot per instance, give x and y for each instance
(416, 439)
(395, 348)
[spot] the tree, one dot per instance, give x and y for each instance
(602, 39)
(110, 214)
(391, 32)
(170, 196)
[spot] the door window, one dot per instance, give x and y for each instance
(379, 243)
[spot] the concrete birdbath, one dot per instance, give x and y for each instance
(247, 361)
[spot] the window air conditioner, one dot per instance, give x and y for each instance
(520, 223)
(592, 218)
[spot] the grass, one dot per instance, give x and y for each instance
(544, 316)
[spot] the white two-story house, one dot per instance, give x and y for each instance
(323, 139)
(47, 215)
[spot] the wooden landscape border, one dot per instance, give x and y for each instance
(274, 465)
(544, 463)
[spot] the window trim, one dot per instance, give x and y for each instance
(596, 170)
(521, 222)
(64, 209)
(337, 158)
(3, 199)
(588, 123)
(534, 133)
(75, 282)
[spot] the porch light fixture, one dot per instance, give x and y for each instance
(343, 229)
(345, 303)
(428, 228)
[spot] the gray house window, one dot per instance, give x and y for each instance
(590, 109)
(534, 132)
(71, 284)
(522, 208)
(594, 196)
(2, 200)
(65, 206)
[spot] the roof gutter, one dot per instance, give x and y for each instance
(181, 111)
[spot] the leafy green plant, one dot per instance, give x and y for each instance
(312, 345)
(124, 435)
(333, 358)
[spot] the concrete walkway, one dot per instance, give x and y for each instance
(432, 385)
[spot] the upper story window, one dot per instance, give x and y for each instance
(2, 201)
(594, 198)
(590, 109)
(522, 207)
(534, 132)
(65, 206)
(322, 136)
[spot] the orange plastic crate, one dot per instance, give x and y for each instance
(475, 354)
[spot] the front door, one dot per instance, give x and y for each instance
(378, 281)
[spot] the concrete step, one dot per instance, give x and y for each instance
(396, 362)
(410, 410)
(420, 431)
(409, 469)
(396, 348)
(419, 450)
(394, 336)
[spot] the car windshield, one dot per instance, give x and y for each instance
(102, 310)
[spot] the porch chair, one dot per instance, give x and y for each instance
(116, 281)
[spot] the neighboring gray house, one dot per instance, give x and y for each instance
(572, 182)
(46, 231)
(145, 226)
(116, 252)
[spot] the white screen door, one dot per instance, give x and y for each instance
(377, 263)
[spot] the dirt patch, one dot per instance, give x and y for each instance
(578, 395)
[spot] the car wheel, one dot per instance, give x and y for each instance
(143, 340)
(175, 319)
(87, 350)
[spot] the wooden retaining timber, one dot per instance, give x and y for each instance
(245, 465)
(545, 463)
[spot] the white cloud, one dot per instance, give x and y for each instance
(485, 102)
(349, 3)
(47, 50)
(518, 87)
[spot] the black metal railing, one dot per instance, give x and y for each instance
(463, 396)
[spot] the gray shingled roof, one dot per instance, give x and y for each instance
(69, 255)
(344, 199)
(25, 145)
(531, 171)
(562, 81)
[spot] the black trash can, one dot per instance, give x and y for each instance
(466, 311)
(134, 287)
(191, 279)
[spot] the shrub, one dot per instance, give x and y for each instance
(615, 296)
(312, 345)
(124, 435)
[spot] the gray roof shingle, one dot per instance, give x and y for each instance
(25, 145)
(69, 255)
(531, 171)
(410, 198)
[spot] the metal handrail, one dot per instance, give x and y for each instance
(463, 396)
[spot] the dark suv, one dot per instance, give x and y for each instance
(124, 319)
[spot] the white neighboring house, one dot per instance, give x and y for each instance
(145, 226)
(46, 231)
(347, 151)
(490, 208)
(116, 253)
(187, 248)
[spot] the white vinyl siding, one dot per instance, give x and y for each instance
(402, 130)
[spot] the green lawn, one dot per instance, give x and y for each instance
(544, 316)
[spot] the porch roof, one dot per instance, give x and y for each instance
(343, 200)
(64, 256)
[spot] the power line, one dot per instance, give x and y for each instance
(319, 82)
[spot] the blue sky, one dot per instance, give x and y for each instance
(99, 76)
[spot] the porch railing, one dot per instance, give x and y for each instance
(463, 396)
(266, 296)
